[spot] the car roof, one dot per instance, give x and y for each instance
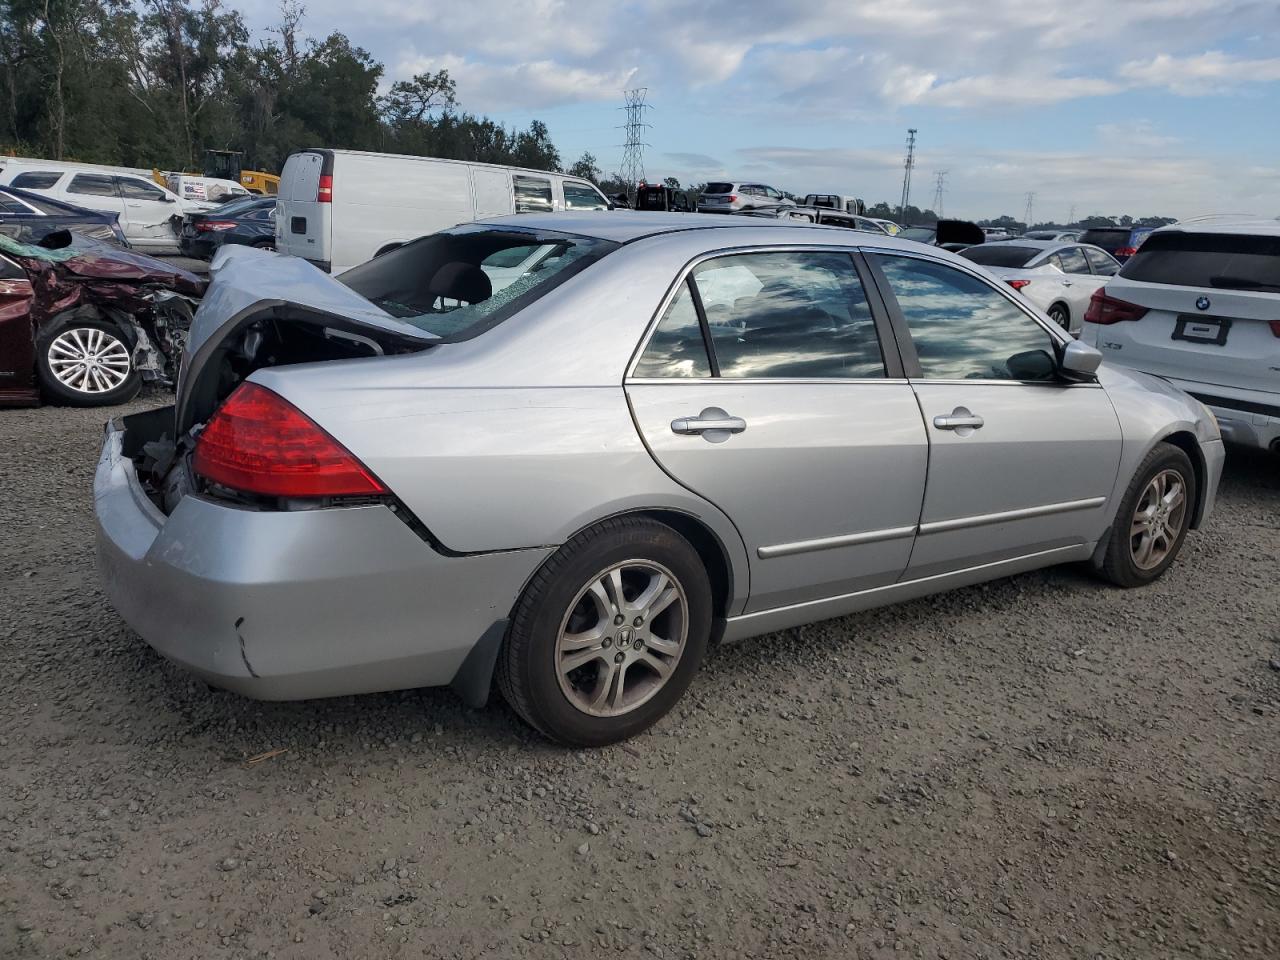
(625, 226)
(1256, 226)
(1038, 244)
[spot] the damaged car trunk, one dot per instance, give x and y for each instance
(85, 324)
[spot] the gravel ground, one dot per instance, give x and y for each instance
(1038, 767)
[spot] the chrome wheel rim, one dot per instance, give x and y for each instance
(89, 360)
(1157, 519)
(622, 637)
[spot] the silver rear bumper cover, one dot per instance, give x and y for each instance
(291, 605)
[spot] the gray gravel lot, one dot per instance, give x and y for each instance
(1038, 767)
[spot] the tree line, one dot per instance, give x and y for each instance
(157, 82)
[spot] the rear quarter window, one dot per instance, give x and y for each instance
(1215, 260)
(33, 180)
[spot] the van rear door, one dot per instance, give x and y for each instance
(303, 221)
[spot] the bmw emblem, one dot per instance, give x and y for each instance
(1202, 303)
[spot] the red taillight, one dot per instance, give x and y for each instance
(1106, 310)
(1018, 284)
(1275, 328)
(733, 197)
(210, 226)
(1126, 252)
(324, 192)
(258, 442)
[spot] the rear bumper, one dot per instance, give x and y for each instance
(1250, 418)
(300, 604)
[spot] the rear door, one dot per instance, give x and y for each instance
(1212, 310)
(153, 216)
(1078, 283)
(1020, 461)
(97, 191)
(796, 422)
(532, 194)
(302, 223)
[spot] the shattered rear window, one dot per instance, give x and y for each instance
(458, 283)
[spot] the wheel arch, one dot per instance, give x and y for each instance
(1186, 441)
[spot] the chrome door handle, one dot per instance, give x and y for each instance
(1066, 283)
(959, 419)
(712, 418)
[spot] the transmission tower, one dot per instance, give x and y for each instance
(633, 149)
(940, 187)
(906, 173)
(1071, 217)
(1031, 202)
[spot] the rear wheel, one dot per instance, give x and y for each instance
(1153, 518)
(86, 363)
(608, 634)
(1060, 315)
(267, 244)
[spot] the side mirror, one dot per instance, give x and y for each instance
(1032, 365)
(1080, 358)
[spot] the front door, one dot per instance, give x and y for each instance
(153, 215)
(1021, 461)
(765, 389)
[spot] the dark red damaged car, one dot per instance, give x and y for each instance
(86, 323)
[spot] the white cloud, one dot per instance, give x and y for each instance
(1137, 134)
(487, 86)
(1205, 73)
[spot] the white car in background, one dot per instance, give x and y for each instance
(1059, 278)
(150, 215)
(1199, 304)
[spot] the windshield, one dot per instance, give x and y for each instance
(1220, 260)
(923, 234)
(461, 282)
(1001, 254)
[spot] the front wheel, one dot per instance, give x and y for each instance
(1153, 518)
(86, 363)
(608, 634)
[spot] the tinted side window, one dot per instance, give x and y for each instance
(35, 180)
(12, 205)
(93, 185)
(962, 328)
(1073, 260)
(789, 315)
(1103, 265)
(132, 189)
(533, 194)
(579, 196)
(676, 348)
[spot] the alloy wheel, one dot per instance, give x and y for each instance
(89, 360)
(622, 637)
(1158, 519)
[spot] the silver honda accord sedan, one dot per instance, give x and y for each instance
(570, 452)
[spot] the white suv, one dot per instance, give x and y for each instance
(1199, 304)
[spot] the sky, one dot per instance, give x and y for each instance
(1145, 107)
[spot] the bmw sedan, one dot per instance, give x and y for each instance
(666, 434)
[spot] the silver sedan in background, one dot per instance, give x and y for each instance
(666, 433)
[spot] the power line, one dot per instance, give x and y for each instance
(940, 180)
(1031, 202)
(906, 173)
(633, 149)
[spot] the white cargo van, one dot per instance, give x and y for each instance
(339, 208)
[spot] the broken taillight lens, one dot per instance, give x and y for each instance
(258, 442)
(214, 226)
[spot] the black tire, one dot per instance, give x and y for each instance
(87, 330)
(528, 669)
(1120, 564)
(265, 244)
(1060, 315)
